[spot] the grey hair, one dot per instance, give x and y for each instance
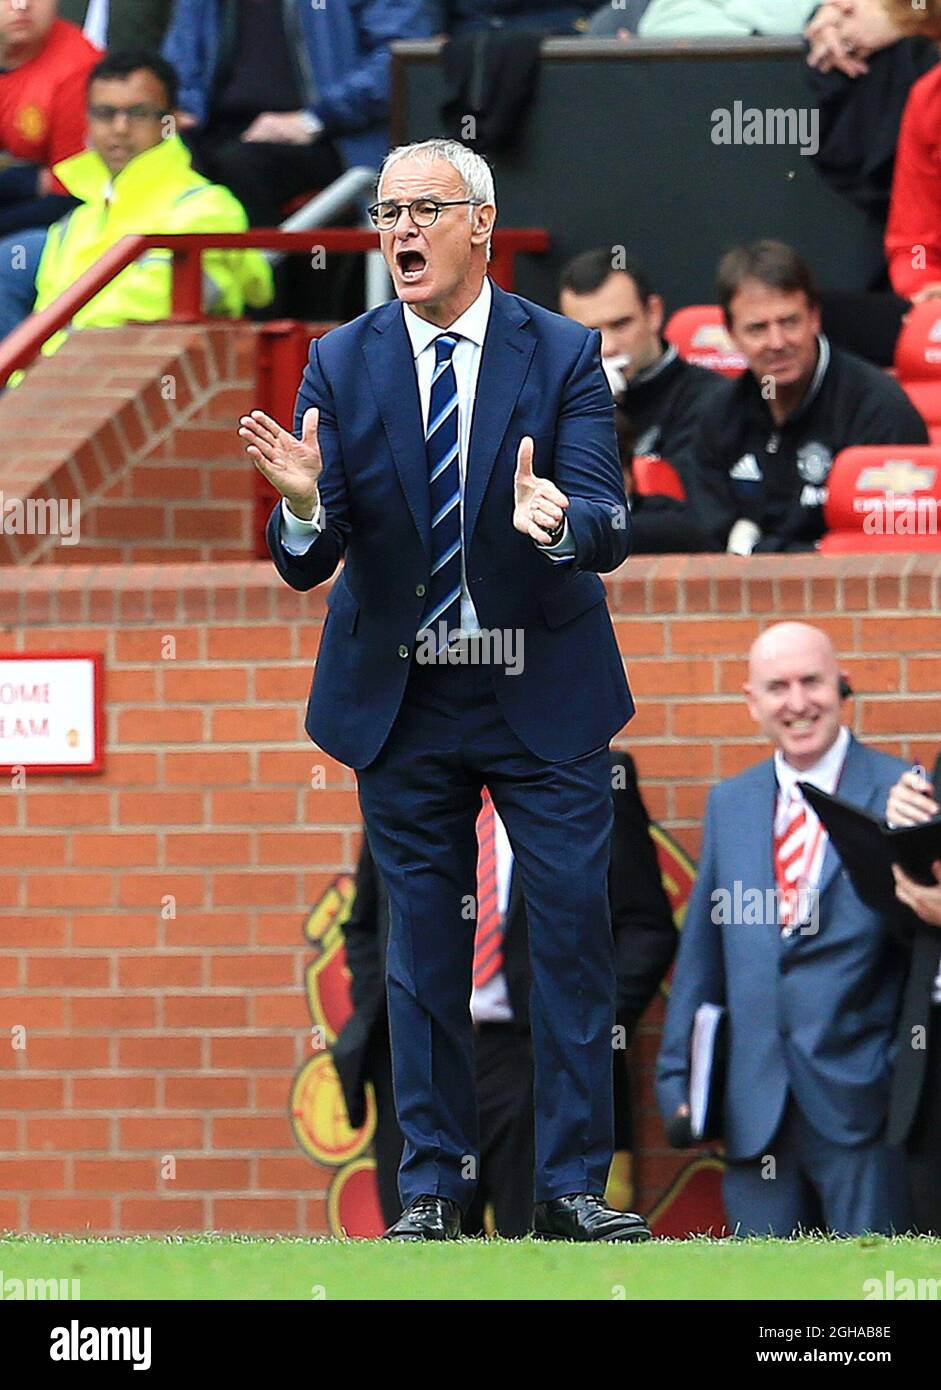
(476, 174)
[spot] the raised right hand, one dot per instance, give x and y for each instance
(291, 465)
(911, 801)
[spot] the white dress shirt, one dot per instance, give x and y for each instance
(824, 774)
(297, 534)
(491, 1004)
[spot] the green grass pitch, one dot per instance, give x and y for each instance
(247, 1267)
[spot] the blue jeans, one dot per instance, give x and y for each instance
(19, 262)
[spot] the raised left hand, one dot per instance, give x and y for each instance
(538, 505)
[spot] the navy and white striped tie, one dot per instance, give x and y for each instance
(444, 481)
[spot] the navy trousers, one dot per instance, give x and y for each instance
(420, 799)
(815, 1184)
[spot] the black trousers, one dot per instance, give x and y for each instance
(263, 176)
(507, 1142)
(923, 1150)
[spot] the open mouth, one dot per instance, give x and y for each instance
(412, 265)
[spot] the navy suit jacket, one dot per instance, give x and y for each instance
(814, 1014)
(540, 375)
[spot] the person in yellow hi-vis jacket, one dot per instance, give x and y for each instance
(135, 177)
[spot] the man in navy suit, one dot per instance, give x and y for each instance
(811, 977)
(457, 450)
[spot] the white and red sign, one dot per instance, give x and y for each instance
(51, 718)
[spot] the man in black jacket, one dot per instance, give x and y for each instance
(661, 395)
(645, 941)
(759, 466)
(659, 398)
(914, 1121)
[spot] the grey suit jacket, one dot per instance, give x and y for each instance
(812, 1014)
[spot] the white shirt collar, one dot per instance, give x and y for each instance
(824, 774)
(472, 323)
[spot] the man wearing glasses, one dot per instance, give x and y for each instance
(135, 177)
(457, 449)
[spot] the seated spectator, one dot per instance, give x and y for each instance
(44, 65)
(862, 72)
(686, 19)
(662, 395)
(659, 398)
(459, 17)
(759, 467)
(278, 99)
(133, 180)
(120, 24)
(660, 525)
(811, 978)
(843, 35)
(913, 233)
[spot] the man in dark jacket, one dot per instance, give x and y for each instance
(759, 467)
(645, 941)
(914, 1122)
(278, 99)
(661, 395)
(659, 398)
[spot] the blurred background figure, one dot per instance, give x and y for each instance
(457, 18)
(619, 21)
(133, 178)
(44, 65)
(120, 24)
(278, 99)
(686, 19)
(659, 397)
(915, 1107)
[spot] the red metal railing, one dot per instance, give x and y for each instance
(21, 346)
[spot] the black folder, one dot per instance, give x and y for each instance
(868, 847)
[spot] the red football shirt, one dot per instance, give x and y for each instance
(913, 234)
(42, 104)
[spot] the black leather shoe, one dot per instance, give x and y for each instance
(585, 1216)
(427, 1218)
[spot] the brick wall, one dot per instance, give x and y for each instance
(150, 1036)
(144, 420)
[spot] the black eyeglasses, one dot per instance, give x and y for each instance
(137, 115)
(423, 211)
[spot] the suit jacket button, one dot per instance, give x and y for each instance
(403, 651)
(420, 591)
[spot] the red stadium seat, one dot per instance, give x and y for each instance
(699, 334)
(883, 497)
(654, 477)
(918, 350)
(925, 396)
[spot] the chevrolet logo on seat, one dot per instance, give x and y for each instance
(897, 475)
